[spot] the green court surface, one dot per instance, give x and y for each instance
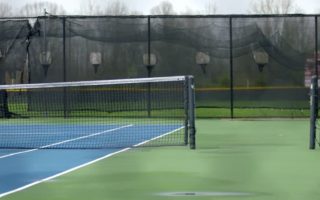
(236, 159)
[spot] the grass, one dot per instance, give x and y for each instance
(252, 113)
(267, 158)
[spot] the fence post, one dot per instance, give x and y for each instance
(64, 66)
(231, 68)
(316, 47)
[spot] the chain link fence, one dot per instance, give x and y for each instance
(244, 65)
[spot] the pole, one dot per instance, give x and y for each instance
(314, 92)
(149, 68)
(64, 49)
(316, 65)
(231, 68)
(316, 47)
(186, 110)
(191, 100)
(44, 32)
(64, 67)
(313, 112)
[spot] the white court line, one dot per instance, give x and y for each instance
(160, 136)
(65, 141)
(85, 164)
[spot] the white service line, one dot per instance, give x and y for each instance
(65, 141)
(85, 164)
(160, 136)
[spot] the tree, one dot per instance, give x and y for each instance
(189, 11)
(116, 8)
(273, 7)
(210, 8)
(5, 10)
(164, 8)
(37, 8)
(89, 7)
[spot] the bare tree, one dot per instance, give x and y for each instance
(273, 7)
(89, 7)
(164, 8)
(135, 12)
(210, 7)
(36, 9)
(190, 11)
(5, 9)
(116, 7)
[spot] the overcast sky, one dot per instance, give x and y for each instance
(144, 6)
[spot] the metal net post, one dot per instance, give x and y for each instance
(186, 109)
(191, 100)
(313, 111)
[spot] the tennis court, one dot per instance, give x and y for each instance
(48, 130)
(52, 149)
(40, 163)
(235, 159)
(77, 140)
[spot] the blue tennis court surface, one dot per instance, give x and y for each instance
(22, 168)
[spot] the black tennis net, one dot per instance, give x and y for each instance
(98, 114)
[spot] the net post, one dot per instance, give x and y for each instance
(313, 111)
(186, 110)
(191, 113)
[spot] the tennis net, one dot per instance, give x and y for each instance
(98, 114)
